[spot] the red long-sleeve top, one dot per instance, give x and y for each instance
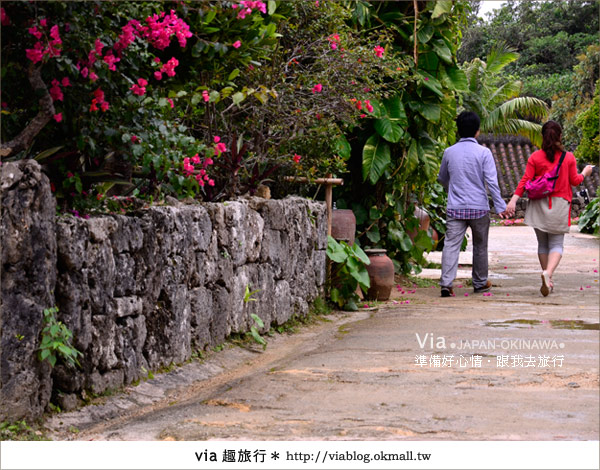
(538, 165)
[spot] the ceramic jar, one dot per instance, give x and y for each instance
(343, 225)
(381, 274)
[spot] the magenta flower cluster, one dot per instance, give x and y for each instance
(246, 7)
(51, 45)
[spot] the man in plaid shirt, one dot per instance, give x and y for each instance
(466, 169)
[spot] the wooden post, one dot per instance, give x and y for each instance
(329, 183)
(329, 202)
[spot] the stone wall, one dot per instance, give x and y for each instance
(144, 290)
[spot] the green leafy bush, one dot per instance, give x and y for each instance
(589, 220)
(348, 273)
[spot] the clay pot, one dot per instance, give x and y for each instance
(423, 222)
(381, 275)
(343, 225)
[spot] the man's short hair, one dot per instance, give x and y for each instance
(467, 123)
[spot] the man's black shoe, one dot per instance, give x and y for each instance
(447, 292)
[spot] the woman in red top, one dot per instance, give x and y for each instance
(551, 216)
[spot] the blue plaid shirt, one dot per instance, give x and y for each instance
(466, 214)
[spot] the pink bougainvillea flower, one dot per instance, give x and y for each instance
(158, 75)
(220, 148)
(98, 46)
(466, 294)
(93, 106)
(171, 103)
(505, 267)
(317, 88)
(65, 82)
(4, 19)
(43, 22)
(85, 72)
(34, 31)
(317, 3)
(237, 44)
(407, 302)
(366, 306)
(169, 67)
(205, 96)
(93, 76)
(333, 45)
(297, 158)
(216, 139)
(595, 270)
(57, 117)
(36, 54)
(379, 51)
(135, 139)
(211, 182)
(111, 60)
(55, 91)
(368, 106)
(104, 106)
(139, 88)
(196, 159)
(359, 105)
(581, 288)
(54, 34)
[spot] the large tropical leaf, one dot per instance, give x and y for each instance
(442, 50)
(430, 111)
(441, 7)
(425, 33)
(376, 158)
(457, 77)
(432, 83)
(388, 130)
(395, 110)
(412, 156)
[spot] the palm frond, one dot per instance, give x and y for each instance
(528, 129)
(525, 106)
(506, 92)
(499, 57)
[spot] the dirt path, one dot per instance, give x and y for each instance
(517, 366)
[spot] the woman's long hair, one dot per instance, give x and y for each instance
(551, 135)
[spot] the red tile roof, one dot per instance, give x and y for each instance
(511, 154)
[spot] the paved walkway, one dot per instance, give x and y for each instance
(517, 366)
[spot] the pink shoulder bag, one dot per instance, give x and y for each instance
(542, 186)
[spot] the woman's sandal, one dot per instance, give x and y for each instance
(546, 284)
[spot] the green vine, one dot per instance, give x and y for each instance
(56, 341)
